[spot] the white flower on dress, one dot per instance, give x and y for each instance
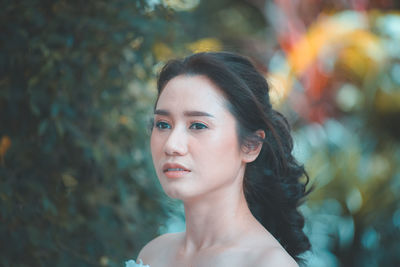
(132, 263)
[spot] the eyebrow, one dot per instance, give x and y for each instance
(189, 113)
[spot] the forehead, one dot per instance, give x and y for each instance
(191, 92)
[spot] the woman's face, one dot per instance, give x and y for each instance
(194, 143)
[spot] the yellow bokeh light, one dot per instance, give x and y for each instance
(205, 45)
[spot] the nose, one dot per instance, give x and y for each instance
(176, 144)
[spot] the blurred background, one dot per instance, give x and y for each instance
(77, 88)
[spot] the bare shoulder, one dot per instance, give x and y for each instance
(276, 256)
(269, 252)
(160, 244)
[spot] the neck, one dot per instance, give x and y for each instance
(217, 219)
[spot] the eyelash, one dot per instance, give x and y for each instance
(162, 125)
(159, 125)
(202, 126)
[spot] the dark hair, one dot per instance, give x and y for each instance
(271, 184)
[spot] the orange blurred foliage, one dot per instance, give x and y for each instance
(5, 144)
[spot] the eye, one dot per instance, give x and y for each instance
(162, 125)
(198, 126)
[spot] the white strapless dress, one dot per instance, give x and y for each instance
(132, 263)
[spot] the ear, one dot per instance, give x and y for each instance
(253, 148)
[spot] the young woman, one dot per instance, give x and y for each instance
(218, 146)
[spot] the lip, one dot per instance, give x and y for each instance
(175, 173)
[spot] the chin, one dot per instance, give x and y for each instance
(183, 194)
(176, 193)
(172, 190)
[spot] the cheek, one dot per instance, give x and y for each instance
(155, 145)
(221, 150)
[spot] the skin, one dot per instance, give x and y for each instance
(220, 229)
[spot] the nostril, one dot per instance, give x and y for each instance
(177, 147)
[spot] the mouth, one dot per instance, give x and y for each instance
(173, 170)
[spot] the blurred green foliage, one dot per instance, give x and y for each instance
(76, 186)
